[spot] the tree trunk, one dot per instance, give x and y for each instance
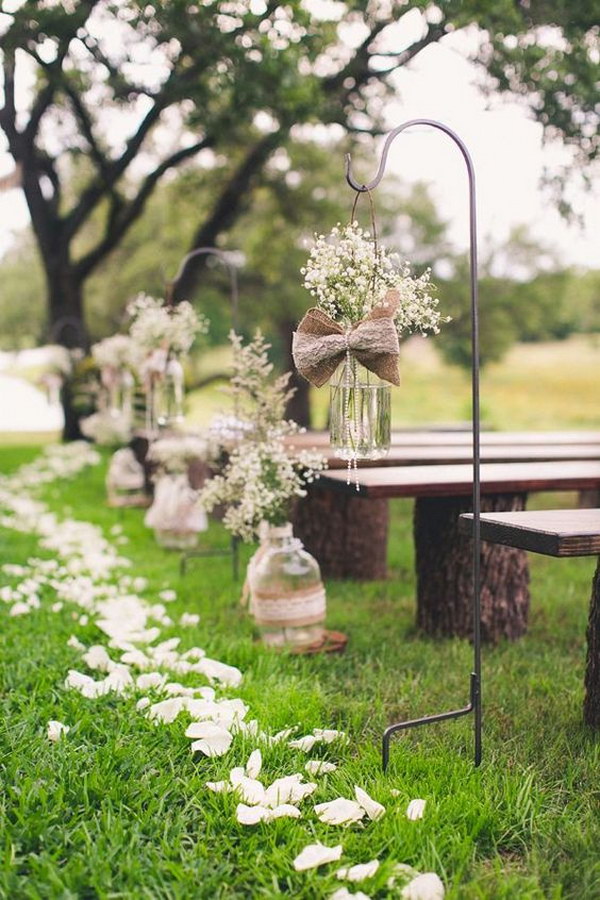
(591, 704)
(298, 407)
(66, 327)
(444, 560)
(347, 535)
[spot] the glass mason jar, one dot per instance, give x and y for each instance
(127, 387)
(360, 413)
(287, 596)
(169, 396)
(125, 482)
(175, 515)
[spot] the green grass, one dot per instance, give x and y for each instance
(118, 809)
(536, 386)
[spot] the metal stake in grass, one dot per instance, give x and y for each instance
(474, 705)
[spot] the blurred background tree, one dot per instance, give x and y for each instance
(104, 103)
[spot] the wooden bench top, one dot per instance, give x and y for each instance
(456, 481)
(427, 455)
(422, 437)
(555, 532)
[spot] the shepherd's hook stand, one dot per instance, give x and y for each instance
(474, 705)
(234, 297)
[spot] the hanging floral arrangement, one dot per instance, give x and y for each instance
(366, 299)
(162, 336)
(260, 481)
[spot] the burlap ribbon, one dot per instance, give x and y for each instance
(320, 345)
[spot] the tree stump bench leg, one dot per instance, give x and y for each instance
(591, 704)
(347, 535)
(444, 562)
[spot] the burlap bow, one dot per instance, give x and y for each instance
(320, 345)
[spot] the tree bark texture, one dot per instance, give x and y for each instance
(298, 407)
(347, 535)
(591, 703)
(444, 560)
(66, 326)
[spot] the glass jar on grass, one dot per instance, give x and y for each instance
(360, 413)
(176, 515)
(287, 596)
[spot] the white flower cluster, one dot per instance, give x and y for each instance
(348, 275)
(262, 475)
(258, 483)
(259, 397)
(108, 429)
(57, 461)
(157, 326)
(115, 352)
(173, 454)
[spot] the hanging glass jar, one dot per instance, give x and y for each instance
(127, 388)
(169, 396)
(175, 515)
(287, 596)
(360, 413)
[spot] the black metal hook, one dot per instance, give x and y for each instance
(231, 269)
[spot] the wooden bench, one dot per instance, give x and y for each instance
(562, 533)
(442, 553)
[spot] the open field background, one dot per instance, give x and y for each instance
(538, 386)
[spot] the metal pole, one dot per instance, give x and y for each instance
(475, 704)
(231, 269)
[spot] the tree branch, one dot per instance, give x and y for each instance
(118, 224)
(233, 197)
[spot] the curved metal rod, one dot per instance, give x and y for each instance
(476, 675)
(231, 269)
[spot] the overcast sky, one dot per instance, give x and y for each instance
(505, 144)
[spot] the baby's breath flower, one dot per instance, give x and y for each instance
(348, 276)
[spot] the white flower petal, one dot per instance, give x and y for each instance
(424, 887)
(166, 711)
(373, 809)
(251, 791)
(319, 767)
(328, 735)
(415, 809)
(344, 894)
(218, 671)
(395, 792)
(56, 730)
(150, 680)
(119, 679)
(219, 787)
(282, 735)
(251, 815)
(75, 643)
(19, 609)
(360, 872)
(315, 855)
(289, 789)
(339, 812)
(305, 743)
(284, 810)
(97, 658)
(254, 764)
(189, 619)
(213, 740)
